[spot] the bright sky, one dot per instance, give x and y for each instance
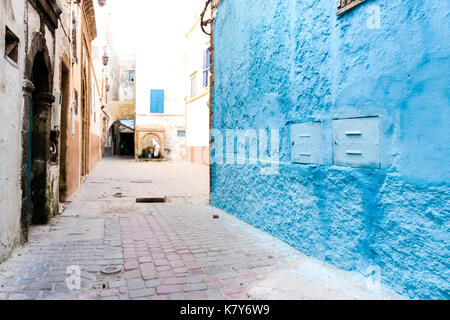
(133, 21)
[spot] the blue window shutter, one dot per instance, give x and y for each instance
(157, 101)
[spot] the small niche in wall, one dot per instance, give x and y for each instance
(11, 45)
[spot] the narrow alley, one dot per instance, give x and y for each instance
(173, 250)
(230, 150)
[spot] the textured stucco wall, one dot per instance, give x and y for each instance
(282, 62)
(11, 106)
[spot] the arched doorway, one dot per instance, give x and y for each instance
(121, 134)
(38, 100)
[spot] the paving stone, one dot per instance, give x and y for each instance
(214, 285)
(110, 298)
(51, 296)
(176, 264)
(164, 268)
(233, 290)
(145, 259)
(39, 286)
(142, 293)
(195, 279)
(22, 296)
(214, 295)
(166, 274)
(169, 289)
(214, 270)
(116, 284)
(135, 284)
(123, 290)
(195, 287)
(62, 288)
(177, 296)
(161, 262)
(175, 280)
(131, 265)
(153, 283)
(228, 275)
(196, 296)
(134, 274)
(109, 293)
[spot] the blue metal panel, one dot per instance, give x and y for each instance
(356, 142)
(306, 141)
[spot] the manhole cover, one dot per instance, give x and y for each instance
(111, 270)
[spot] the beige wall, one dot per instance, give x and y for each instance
(197, 109)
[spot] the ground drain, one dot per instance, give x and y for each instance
(151, 200)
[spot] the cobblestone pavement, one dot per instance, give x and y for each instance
(171, 251)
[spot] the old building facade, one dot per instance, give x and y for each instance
(197, 67)
(81, 115)
(45, 94)
(355, 98)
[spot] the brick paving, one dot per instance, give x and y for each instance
(170, 251)
(165, 251)
(183, 253)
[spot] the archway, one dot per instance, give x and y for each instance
(122, 138)
(36, 127)
(147, 146)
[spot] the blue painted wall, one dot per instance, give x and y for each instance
(281, 62)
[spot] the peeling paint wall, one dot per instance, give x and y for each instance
(280, 63)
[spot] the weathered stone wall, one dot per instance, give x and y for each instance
(279, 63)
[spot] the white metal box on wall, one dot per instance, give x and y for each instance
(306, 143)
(356, 142)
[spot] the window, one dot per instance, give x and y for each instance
(157, 101)
(344, 5)
(11, 46)
(75, 102)
(206, 66)
(72, 122)
(131, 76)
(193, 86)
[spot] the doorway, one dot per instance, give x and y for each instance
(127, 144)
(39, 142)
(63, 164)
